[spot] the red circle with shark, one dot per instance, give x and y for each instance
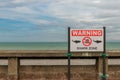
(86, 41)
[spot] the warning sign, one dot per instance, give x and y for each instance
(86, 40)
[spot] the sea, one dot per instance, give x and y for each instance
(47, 46)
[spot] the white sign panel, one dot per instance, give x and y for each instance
(86, 40)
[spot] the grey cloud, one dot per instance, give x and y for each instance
(81, 13)
(108, 4)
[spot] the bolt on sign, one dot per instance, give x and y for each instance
(83, 40)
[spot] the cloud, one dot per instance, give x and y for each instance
(23, 10)
(19, 1)
(59, 14)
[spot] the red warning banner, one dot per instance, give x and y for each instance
(87, 33)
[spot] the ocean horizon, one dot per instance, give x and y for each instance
(47, 45)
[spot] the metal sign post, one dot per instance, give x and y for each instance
(69, 55)
(104, 55)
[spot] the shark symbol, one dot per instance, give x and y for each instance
(76, 41)
(97, 41)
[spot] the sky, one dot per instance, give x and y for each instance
(48, 20)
